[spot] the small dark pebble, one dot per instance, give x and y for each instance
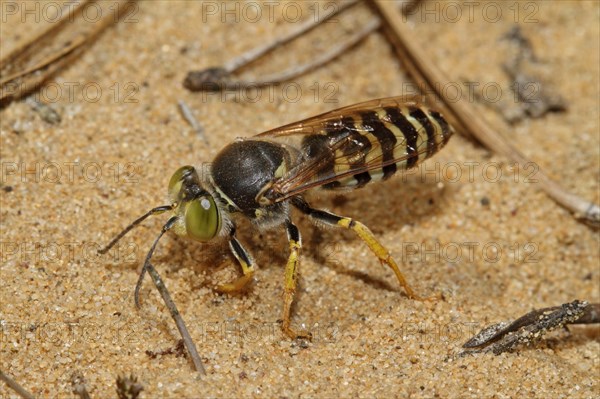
(485, 201)
(304, 344)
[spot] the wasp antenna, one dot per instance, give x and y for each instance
(164, 229)
(154, 211)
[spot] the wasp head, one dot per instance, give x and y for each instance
(199, 215)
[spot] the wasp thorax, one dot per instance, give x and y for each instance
(195, 206)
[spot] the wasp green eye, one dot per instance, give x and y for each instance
(177, 181)
(202, 219)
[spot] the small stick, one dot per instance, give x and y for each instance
(295, 71)
(164, 292)
(258, 52)
(187, 339)
(204, 80)
(505, 336)
(22, 392)
(160, 285)
(189, 117)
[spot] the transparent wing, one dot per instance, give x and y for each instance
(347, 142)
(316, 124)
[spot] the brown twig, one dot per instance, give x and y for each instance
(28, 66)
(221, 77)
(224, 82)
(465, 117)
(258, 52)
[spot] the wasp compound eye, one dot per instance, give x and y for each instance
(202, 219)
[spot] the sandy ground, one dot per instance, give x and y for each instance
(490, 241)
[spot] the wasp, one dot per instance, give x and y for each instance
(262, 177)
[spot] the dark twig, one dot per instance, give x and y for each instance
(506, 336)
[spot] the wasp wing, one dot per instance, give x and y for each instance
(340, 148)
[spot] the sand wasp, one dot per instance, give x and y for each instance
(262, 177)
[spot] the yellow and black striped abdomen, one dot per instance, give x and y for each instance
(373, 144)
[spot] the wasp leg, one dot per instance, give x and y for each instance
(291, 278)
(364, 233)
(245, 261)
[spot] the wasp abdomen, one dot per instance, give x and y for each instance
(374, 144)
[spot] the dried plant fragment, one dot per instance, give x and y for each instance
(530, 81)
(506, 336)
(128, 387)
(222, 78)
(27, 67)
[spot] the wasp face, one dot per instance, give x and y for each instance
(200, 218)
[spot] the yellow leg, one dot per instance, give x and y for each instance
(247, 269)
(365, 234)
(380, 251)
(291, 278)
